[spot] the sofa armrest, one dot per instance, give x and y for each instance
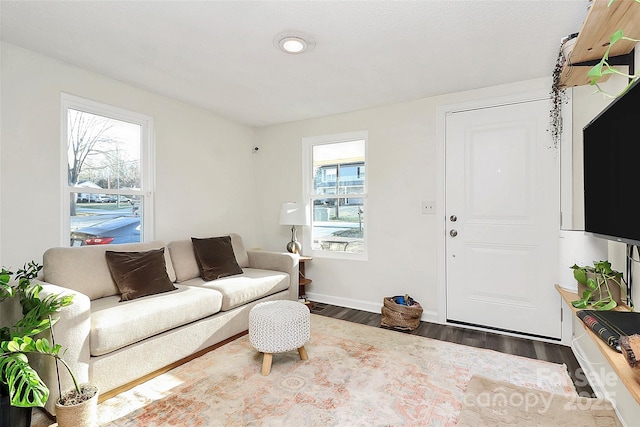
(278, 261)
(71, 331)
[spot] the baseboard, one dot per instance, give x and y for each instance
(427, 316)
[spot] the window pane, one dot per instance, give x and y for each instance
(338, 225)
(338, 168)
(99, 219)
(102, 152)
(338, 218)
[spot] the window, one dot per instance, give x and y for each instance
(335, 170)
(107, 174)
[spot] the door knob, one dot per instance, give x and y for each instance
(453, 218)
(453, 233)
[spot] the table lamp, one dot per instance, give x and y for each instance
(293, 214)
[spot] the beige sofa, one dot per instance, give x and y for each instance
(111, 343)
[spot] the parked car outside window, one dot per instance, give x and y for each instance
(116, 230)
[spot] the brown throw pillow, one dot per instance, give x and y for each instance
(138, 274)
(215, 257)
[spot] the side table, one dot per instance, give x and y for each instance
(303, 280)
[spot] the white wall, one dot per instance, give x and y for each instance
(210, 180)
(401, 172)
(205, 184)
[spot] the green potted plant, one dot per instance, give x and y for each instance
(20, 382)
(599, 286)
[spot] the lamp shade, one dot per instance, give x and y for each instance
(293, 214)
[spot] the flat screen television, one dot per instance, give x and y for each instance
(612, 170)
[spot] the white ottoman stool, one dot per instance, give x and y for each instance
(279, 326)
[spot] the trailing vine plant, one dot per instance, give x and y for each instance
(558, 98)
(601, 69)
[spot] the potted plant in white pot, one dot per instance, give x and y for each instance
(599, 286)
(23, 385)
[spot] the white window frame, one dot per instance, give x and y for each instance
(308, 193)
(147, 161)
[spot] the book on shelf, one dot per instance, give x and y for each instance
(611, 325)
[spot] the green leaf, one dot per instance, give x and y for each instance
(596, 70)
(26, 389)
(615, 37)
(579, 303)
(28, 344)
(608, 70)
(5, 276)
(41, 346)
(66, 300)
(601, 305)
(603, 267)
(580, 275)
(591, 284)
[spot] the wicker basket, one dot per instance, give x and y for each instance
(405, 317)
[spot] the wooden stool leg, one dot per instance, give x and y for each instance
(303, 353)
(266, 363)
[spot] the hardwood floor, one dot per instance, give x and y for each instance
(555, 353)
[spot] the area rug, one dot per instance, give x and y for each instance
(488, 403)
(356, 375)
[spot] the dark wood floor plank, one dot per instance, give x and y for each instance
(550, 352)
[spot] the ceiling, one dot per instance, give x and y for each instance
(220, 55)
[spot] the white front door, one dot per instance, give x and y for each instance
(502, 219)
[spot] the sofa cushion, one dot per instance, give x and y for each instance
(84, 269)
(184, 261)
(117, 324)
(215, 257)
(138, 274)
(252, 284)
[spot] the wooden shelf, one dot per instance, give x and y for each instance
(601, 22)
(615, 359)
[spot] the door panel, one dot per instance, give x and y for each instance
(502, 207)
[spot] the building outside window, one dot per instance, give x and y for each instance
(335, 169)
(107, 174)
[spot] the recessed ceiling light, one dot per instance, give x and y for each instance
(293, 42)
(293, 45)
